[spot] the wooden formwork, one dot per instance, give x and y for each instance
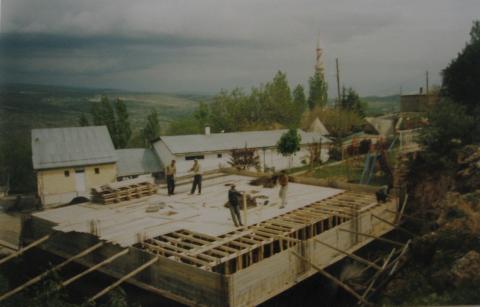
(244, 247)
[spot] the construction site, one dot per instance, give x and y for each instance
(187, 249)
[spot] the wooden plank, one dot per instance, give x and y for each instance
(55, 268)
(353, 256)
(394, 225)
(93, 268)
(124, 278)
(372, 236)
(24, 249)
(334, 279)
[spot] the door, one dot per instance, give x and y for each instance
(80, 181)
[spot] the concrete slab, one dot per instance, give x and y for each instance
(124, 223)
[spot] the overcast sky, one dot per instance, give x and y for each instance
(203, 46)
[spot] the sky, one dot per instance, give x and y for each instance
(383, 46)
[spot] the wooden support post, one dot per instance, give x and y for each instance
(394, 225)
(121, 280)
(334, 279)
(245, 209)
(400, 214)
(24, 249)
(93, 268)
(44, 274)
(353, 256)
(377, 274)
(375, 237)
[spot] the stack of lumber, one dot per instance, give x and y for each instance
(122, 191)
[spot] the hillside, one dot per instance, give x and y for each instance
(382, 104)
(24, 107)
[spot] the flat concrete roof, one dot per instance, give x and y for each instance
(124, 223)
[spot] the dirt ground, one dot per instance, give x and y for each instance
(10, 225)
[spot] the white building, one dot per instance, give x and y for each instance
(213, 149)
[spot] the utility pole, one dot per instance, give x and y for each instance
(426, 79)
(338, 83)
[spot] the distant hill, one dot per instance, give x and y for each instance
(23, 107)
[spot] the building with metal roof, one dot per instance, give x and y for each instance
(70, 161)
(137, 161)
(73, 146)
(213, 149)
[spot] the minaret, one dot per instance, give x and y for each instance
(319, 61)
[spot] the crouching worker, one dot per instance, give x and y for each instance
(234, 205)
(382, 194)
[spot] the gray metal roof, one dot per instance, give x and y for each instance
(74, 146)
(181, 144)
(137, 161)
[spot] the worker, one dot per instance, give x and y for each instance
(197, 178)
(283, 180)
(171, 171)
(382, 194)
(234, 205)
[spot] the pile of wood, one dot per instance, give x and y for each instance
(122, 191)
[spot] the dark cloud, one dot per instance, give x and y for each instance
(211, 44)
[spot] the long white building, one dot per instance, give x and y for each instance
(213, 150)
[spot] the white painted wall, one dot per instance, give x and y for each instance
(211, 161)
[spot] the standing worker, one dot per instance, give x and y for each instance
(283, 180)
(197, 178)
(234, 205)
(171, 171)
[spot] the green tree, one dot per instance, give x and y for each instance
(123, 132)
(83, 120)
(350, 100)
(317, 95)
(151, 131)
(289, 142)
(461, 78)
(449, 129)
(299, 99)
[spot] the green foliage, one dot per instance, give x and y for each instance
(115, 117)
(16, 163)
(151, 131)
(123, 130)
(83, 120)
(299, 99)
(317, 91)
(350, 100)
(289, 142)
(449, 129)
(265, 107)
(462, 76)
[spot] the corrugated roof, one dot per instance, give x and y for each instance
(196, 143)
(137, 161)
(73, 146)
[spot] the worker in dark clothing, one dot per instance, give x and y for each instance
(197, 177)
(170, 171)
(234, 205)
(382, 194)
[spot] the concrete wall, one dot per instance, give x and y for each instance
(271, 276)
(54, 188)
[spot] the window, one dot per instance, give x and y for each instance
(97, 170)
(66, 173)
(199, 157)
(219, 155)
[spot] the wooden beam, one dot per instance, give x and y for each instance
(353, 256)
(334, 279)
(372, 236)
(377, 274)
(93, 268)
(24, 249)
(394, 225)
(55, 268)
(124, 278)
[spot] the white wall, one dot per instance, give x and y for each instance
(271, 159)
